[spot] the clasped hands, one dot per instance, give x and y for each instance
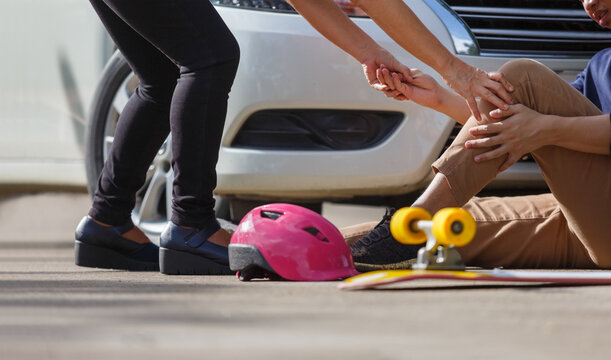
(520, 131)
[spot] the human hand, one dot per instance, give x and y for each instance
(374, 61)
(470, 82)
(422, 88)
(521, 131)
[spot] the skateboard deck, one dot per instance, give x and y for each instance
(376, 279)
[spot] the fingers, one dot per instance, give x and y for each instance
(388, 79)
(474, 109)
(401, 86)
(492, 154)
(492, 98)
(483, 143)
(491, 87)
(500, 77)
(395, 94)
(381, 85)
(497, 153)
(384, 77)
(502, 150)
(498, 93)
(502, 114)
(493, 84)
(370, 73)
(408, 75)
(488, 129)
(392, 83)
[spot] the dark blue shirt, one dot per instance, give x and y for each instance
(595, 81)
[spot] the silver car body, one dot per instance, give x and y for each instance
(57, 53)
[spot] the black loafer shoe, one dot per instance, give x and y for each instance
(103, 247)
(188, 252)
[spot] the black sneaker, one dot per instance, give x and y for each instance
(380, 248)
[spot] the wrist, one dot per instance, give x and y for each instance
(552, 131)
(368, 50)
(443, 96)
(449, 66)
(452, 104)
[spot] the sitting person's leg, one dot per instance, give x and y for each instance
(522, 232)
(459, 177)
(580, 181)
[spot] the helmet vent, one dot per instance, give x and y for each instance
(316, 233)
(271, 214)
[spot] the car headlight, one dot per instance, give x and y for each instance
(283, 6)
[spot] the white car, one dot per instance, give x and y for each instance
(304, 126)
(53, 53)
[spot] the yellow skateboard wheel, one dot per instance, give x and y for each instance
(453, 226)
(402, 225)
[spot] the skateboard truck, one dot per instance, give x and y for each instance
(449, 228)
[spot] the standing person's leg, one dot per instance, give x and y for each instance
(108, 238)
(458, 177)
(194, 37)
(142, 126)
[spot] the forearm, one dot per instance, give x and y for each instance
(590, 134)
(403, 26)
(453, 105)
(326, 17)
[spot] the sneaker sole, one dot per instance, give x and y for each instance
(172, 262)
(99, 257)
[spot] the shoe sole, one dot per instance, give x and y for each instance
(172, 262)
(99, 257)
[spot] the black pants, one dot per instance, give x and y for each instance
(186, 59)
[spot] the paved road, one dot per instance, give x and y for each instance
(51, 309)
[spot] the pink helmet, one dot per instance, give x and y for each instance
(290, 242)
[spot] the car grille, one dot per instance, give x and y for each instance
(534, 27)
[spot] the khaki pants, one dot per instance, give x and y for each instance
(569, 228)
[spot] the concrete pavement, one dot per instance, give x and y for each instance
(51, 309)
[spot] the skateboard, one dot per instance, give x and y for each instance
(376, 279)
(439, 259)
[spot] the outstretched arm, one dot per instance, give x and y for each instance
(326, 17)
(424, 90)
(397, 20)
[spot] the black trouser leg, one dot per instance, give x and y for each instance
(163, 40)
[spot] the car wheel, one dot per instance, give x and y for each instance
(153, 200)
